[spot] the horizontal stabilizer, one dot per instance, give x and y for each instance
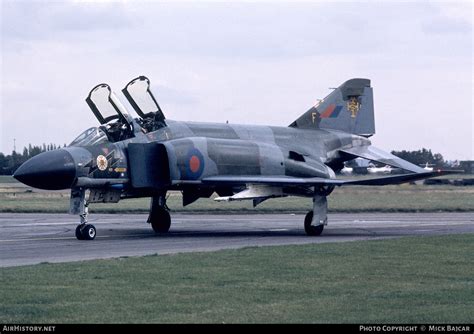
(375, 154)
(397, 179)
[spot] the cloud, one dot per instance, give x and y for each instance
(44, 20)
(453, 18)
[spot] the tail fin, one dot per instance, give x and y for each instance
(349, 108)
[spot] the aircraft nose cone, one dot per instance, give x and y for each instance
(52, 170)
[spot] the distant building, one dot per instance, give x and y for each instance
(467, 166)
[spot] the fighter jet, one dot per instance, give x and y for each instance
(372, 169)
(346, 170)
(428, 168)
(150, 155)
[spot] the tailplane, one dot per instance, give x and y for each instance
(349, 108)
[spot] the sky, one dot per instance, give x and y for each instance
(261, 62)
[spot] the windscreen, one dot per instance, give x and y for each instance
(91, 136)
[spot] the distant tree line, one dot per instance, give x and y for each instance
(9, 163)
(422, 157)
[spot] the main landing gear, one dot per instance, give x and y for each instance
(159, 217)
(317, 218)
(309, 228)
(79, 205)
(85, 232)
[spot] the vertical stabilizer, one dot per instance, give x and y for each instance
(349, 108)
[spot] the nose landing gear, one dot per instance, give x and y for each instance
(79, 205)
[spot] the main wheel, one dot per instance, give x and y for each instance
(160, 220)
(79, 235)
(89, 232)
(311, 229)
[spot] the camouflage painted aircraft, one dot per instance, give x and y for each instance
(148, 156)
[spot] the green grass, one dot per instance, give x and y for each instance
(408, 280)
(403, 198)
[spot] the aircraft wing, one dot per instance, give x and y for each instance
(375, 154)
(259, 188)
(283, 181)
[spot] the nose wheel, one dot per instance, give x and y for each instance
(79, 205)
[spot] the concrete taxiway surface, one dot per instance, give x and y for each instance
(35, 238)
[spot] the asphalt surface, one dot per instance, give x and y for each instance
(35, 238)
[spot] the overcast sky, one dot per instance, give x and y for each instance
(251, 62)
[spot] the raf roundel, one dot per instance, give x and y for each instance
(194, 164)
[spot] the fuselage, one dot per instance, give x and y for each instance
(196, 150)
(314, 143)
(320, 145)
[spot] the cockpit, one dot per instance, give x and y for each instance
(91, 136)
(116, 123)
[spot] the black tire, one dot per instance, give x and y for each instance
(79, 235)
(89, 232)
(160, 221)
(312, 230)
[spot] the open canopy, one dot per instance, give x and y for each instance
(105, 105)
(141, 98)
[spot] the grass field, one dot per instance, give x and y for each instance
(407, 280)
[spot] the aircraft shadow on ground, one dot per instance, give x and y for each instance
(291, 233)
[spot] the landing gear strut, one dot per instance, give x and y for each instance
(159, 217)
(80, 206)
(317, 218)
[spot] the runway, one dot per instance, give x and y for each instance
(35, 238)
